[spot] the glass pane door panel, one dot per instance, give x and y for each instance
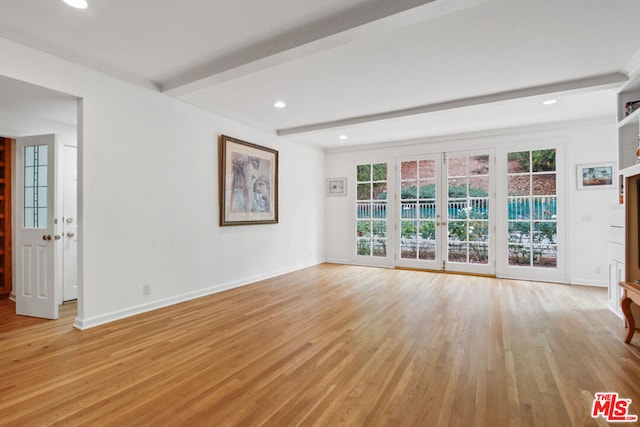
(427, 209)
(35, 186)
(479, 165)
(427, 189)
(544, 185)
(408, 169)
(427, 169)
(544, 208)
(519, 185)
(364, 191)
(479, 186)
(380, 191)
(409, 190)
(518, 162)
(408, 210)
(457, 166)
(408, 240)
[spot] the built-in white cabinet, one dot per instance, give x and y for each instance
(616, 257)
(628, 126)
(628, 156)
(628, 142)
(616, 275)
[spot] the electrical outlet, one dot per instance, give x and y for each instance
(146, 290)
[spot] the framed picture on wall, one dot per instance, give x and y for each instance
(336, 186)
(248, 183)
(595, 176)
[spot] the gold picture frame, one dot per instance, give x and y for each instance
(248, 183)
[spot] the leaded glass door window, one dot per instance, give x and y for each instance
(35, 186)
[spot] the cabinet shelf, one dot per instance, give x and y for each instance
(631, 119)
(628, 131)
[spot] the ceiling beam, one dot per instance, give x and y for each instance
(605, 81)
(345, 27)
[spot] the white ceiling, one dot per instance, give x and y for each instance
(375, 70)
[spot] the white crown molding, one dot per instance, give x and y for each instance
(632, 67)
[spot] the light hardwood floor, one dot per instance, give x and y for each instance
(327, 346)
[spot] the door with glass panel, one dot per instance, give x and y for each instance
(446, 218)
(371, 214)
(36, 239)
(532, 226)
(420, 218)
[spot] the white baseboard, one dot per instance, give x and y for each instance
(154, 305)
(337, 261)
(589, 282)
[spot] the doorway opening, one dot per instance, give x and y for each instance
(30, 110)
(446, 212)
(45, 243)
(6, 258)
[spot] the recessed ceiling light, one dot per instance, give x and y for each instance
(549, 102)
(78, 4)
(279, 104)
(343, 137)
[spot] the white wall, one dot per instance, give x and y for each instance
(14, 125)
(587, 211)
(148, 200)
(590, 210)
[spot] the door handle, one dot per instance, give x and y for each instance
(57, 237)
(70, 234)
(46, 237)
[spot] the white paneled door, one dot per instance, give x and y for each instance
(36, 238)
(70, 223)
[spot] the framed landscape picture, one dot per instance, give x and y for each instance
(336, 186)
(248, 183)
(595, 176)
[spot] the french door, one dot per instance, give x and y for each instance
(446, 206)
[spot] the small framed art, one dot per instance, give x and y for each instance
(595, 176)
(336, 186)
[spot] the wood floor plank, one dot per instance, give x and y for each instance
(329, 345)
